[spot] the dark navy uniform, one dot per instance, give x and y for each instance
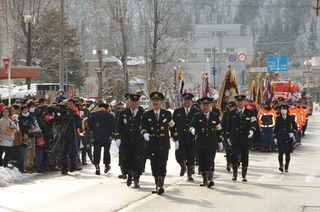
(159, 140)
(285, 124)
(132, 142)
(185, 155)
(238, 129)
(207, 129)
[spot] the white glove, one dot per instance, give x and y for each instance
(118, 142)
(228, 139)
(176, 145)
(193, 131)
(291, 135)
(250, 134)
(220, 146)
(222, 139)
(146, 136)
(275, 141)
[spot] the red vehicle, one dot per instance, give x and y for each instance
(287, 89)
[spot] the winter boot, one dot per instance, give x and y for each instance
(281, 167)
(210, 179)
(160, 185)
(136, 180)
(235, 172)
(205, 179)
(129, 180)
(107, 168)
(156, 182)
(228, 167)
(183, 168)
(286, 166)
(244, 173)
(97, 169)
(190, 168)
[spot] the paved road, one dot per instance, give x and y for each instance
(266, 190)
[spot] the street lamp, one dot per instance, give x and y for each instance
(100, 69)
(213, 70)
(29, 19)
(308, 65)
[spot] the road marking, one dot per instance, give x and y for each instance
(271, 177)
(312, 178)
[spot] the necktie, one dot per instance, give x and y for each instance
(187, 112)
(132, 112)
(240, 113)
(207, 115)
(157, 116)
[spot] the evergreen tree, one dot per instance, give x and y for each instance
(45, 49)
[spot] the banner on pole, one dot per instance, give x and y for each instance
(6, 63)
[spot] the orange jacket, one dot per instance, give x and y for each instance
(298, 116)
(305, 112)
(271, 113)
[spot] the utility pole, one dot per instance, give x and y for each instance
(61, 62)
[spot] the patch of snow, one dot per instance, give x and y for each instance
(9, 176)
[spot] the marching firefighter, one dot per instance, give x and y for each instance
(155, 126)
(182, 117)
(241, 125)
(266, 121)
(206, 126)
(129, 139)
(284, 130)
(224, 123)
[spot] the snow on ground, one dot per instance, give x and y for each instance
(9, 176)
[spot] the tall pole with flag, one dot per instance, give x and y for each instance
(228, 89)
(6, 64)
(204, 85)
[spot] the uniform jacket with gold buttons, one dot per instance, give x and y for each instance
(182, 124)
(239, 127)
(128, 128)
(158, 130)
(208, 132)
(283, 127)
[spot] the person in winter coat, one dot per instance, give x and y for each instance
(60, 96)
(101, 123)
(284, 131)
(8, 130)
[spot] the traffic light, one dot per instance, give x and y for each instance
(276, 73)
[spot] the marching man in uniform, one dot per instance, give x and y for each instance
(155, 126)
(129, 139)
(241, 125)
(185, 154)
(206, 126)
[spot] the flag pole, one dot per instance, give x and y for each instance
(9, 84)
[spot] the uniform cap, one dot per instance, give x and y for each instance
(187, 95)
(156, 95)
(231, 104)
(134, 97)
(240, 97)
(206, 100)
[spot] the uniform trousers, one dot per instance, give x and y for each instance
(206, 159)
(186, 152)
(243, 150)
(132, 159)
(97, 152)
(69, 149)
(159, 163)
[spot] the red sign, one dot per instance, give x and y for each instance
(6, 63)
(242, 57)
(232, 58)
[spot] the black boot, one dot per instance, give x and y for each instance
(156, 182)
(228, 167)
(190, 168)
(183, 168)
(97, 169)
(136, 180)
(210, 179)
(235, 172)
(281, 167)
(129, 180)
(73, 166)
(244, 173)
(286, 166)
(160, 185)
(205, 180)
(107, 168)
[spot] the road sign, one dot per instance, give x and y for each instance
(232, 58)
(277, 63)
(242, 57)
(284, 74)
(259, 69)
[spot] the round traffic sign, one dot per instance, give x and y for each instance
(232, 58)
(242, 57)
